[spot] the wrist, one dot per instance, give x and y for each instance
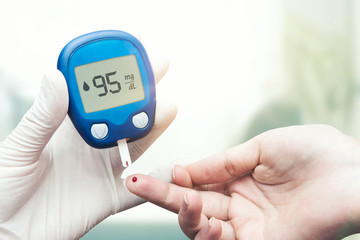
(355, 220)
(351, 197)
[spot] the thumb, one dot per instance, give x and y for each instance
(35, 129)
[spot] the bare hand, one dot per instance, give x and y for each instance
(298, 182)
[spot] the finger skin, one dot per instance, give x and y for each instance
(191, 219)
(156, 191)
(181, 177)
(193, 222)
(226, 165)
(168, 196)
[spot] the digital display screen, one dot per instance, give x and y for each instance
(109, 83)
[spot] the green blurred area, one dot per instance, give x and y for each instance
(139, 231)
(318, 48)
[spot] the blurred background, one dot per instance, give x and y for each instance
(237, 68)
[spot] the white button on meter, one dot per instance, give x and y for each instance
(99, 130)
(140, 120)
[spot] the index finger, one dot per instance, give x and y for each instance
(226, 165)
(169, 196)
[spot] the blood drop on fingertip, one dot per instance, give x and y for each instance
(134, 179)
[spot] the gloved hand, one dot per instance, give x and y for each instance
(52, 184)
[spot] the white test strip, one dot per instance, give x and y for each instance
(124, 153)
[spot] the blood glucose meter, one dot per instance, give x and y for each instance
(111, 87)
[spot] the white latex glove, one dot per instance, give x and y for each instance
(52, 184)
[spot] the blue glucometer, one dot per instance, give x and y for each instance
(111, 87)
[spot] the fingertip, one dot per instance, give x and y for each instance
(190, 211)
(181, 177)
(191, 219)
(175, 174)
(127, 184)
(134, 183)
(211, 231)
(154, 190)
(215, 230)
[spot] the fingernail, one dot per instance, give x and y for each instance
(185, 203)
(211, 221)
(207, 229)
(185, 198)
(173, 174)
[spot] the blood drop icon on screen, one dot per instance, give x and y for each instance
(86, 87)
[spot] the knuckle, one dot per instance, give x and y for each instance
(229, 166)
